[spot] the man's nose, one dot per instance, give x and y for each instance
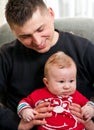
(36, 39)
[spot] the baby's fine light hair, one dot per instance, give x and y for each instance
(59, 59)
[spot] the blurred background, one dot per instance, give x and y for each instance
(62, 8)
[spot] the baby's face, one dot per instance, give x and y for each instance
(62, 82)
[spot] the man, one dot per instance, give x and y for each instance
(22, 61)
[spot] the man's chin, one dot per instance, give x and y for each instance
(43, 50)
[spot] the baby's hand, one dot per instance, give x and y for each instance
(87, 112)
(28, 114)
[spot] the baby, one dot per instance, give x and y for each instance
(60, 81)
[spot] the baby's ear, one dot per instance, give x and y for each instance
(45, 80)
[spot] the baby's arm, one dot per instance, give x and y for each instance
(88, 111)
(25, 111)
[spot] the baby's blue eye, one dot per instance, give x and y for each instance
(71, 81)
(61, 81)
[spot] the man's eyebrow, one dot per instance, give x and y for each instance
(25, 35)
(42, 26)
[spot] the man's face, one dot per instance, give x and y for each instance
(38, 32)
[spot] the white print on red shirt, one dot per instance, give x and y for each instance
(61, 115)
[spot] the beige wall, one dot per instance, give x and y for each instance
(2, 11)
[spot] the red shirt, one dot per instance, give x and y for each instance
(61, 118)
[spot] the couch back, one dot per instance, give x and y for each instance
(81, 26)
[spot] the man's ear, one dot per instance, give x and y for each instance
(51, 11)
(45, 80)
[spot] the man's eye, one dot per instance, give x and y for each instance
(25, 36)
(40, 30)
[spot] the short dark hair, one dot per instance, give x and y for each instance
(19, 11)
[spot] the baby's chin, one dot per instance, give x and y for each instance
(65, 96)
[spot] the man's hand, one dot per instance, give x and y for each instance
(44, 111)
(23, 125)
(76, 110)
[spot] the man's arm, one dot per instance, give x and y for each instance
(8, 119)
(89, 125)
